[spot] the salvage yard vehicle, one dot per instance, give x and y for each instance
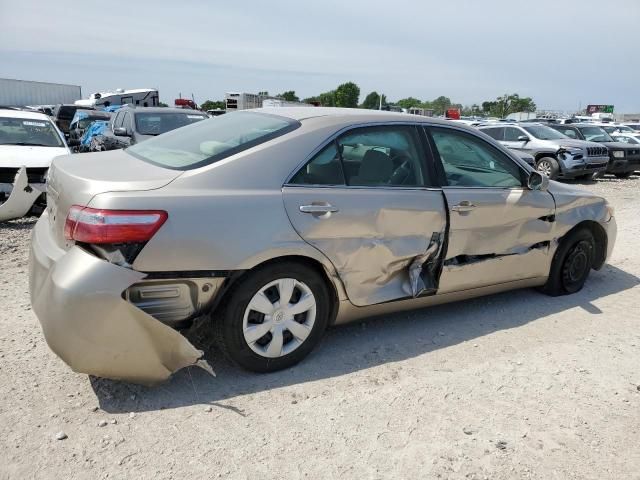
(28, 143)
(276, 223)
(557, 156)
(131, 125)
(63, 114)
(624, 159)
(81, 121)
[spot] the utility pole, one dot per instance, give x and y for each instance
(380, 107)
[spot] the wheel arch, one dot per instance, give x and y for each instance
(333, 283)
(600, 237)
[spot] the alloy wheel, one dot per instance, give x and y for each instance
(279, 317)
(544, 167)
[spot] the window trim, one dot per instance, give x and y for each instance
(426, 160)
(439, 166)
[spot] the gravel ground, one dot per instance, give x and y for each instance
(516, 385)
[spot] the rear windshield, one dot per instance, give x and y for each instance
(157, 123)
(211, 140)
(30, 132)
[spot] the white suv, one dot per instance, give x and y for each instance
(28, 143)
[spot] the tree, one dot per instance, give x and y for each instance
(372, 101)
(506, 104)
(408, 102)
(212, 105)
(347, 95)
(440, 105)
(289, 96)
(162, 104)
(328, 99)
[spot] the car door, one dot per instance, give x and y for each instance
(499, 230)
(513, 138)
(366, 201)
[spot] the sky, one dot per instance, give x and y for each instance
(564, 54)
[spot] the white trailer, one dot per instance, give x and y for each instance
(144, 97)
(20, 93)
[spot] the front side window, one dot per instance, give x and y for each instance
(366, 157)
(542, 132)
(209, 141)
(29, 132)
(469, 161)
(157, 123)
(512, 134)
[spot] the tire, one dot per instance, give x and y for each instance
(236, 315)
(623, 175)
(571, 263)
(548, 166)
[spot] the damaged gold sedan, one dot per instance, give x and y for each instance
(276, 223)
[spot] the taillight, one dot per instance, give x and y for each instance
(98, 226)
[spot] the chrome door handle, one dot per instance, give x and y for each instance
(463, 206)
(326, 208)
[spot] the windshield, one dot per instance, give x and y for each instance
(157, 123)
(595, 134)
(542, 132)
(86, 121)
(618, 128)
(26, 131)
(212, 140)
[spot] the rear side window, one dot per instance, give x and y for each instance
(211, 140)
(495, 133)
(374, 156)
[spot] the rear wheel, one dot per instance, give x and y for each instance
(571, 264)
(548, 166)
(274, 317)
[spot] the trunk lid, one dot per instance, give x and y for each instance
(76, 179)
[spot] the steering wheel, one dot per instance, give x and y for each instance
(402, 172)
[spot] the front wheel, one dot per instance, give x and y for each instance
(548, 166)
(274, 317)
(571, 263)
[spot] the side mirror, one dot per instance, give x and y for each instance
(537, 181)
(523, 138)
(120, 132)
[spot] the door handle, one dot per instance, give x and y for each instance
(464, 206)
(318, 208)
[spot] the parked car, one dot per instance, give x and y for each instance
(634, 126)
(28, 143)
(612, 128)
(624, 159)
(626, 138)
(556, 155)
(81, 121)
(63, 114)
(131, 125)
(279, 222)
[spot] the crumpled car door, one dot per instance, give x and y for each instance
(384, 242)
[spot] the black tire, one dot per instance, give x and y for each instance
(228, 320)
(548, 166)
(571, 263)
(623, 175)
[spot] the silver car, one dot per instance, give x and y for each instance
(556, 155)
(277, 223)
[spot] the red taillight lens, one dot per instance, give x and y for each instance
(97, 226)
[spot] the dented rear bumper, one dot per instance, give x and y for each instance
(78, 299)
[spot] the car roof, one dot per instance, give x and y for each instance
(342, 114)
(23, 114)
(161, 110)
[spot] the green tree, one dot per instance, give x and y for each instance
(506, 104)
(408, 102)
(328, 99)
(212, 105)
(162, 104)
(372, 101)
(440, 104)
(347, 95)
(289, 96)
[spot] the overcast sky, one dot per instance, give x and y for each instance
(562, 53)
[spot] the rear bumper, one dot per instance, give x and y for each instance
(78, 299)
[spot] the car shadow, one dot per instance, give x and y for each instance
(607, 179)
(354, 347)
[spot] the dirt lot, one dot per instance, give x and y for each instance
(516, 385)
